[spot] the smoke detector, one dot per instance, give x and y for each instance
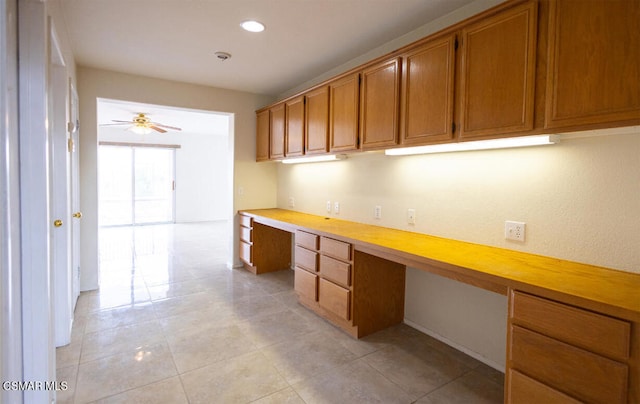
(222, 56)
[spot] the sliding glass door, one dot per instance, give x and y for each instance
(136, 185)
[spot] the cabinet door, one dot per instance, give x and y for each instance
(262, 135)
(498, 74)
(380, 105)
(428, 84)
(294, 129)
(344, 96)
(594, 62)
(524, 390)
(317, 121)
(276, 117)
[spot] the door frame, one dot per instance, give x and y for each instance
(10, 235)
(38, 353)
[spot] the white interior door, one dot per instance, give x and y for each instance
(74, 136)
(60, 169)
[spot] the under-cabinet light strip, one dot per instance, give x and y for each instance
(315, 159)
(524, 141)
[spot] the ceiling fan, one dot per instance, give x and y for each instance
(142, 124)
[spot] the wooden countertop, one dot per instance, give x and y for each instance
(606, 290)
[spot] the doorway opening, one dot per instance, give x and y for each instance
(160, 181)
(136, 185)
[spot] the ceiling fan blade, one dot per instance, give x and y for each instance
(166, 126)
(115, 120)
(154, 127)
(112, 124)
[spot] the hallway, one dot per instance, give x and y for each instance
(171, 324)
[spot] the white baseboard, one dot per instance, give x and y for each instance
(475, 355)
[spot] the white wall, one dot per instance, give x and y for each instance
(580, 200)
(257, 181)
(201, 173)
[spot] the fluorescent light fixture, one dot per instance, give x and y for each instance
(315, 159)
(252, 26)
(505, 143)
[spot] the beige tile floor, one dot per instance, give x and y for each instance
(171, 324)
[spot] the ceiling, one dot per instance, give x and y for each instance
(177, 39)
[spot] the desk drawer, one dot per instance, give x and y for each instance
(525, 390)
(335, 299)
(307, 240)
(246, 252)
(336, 249)
(306, 284)
(306, 259)
(337, 271)
(245, 234)
(573, 371)
(594, 332)
(246, 221)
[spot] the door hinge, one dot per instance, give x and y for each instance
(453, 127)
(456, 44)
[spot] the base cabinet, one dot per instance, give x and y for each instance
(260, 246)
(355, 291)
(560, 353)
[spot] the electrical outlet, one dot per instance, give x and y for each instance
(336, 207)
(292, 202)
(377, 212)
(514, 230)
(328, 206)
(411, 216)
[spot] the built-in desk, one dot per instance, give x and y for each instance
(573, 329)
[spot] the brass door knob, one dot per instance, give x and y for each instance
(57, 222)
(77, 215)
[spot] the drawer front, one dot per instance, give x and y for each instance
(337, 271)
(336, 249)
(525, 390)
(307, 240)
(574, 371)
(335, 299)
(306, 259)
(246, 221)
(245, 234)
(594, 332)
(306, 284)
(246, 252)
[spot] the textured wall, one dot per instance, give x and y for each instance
(580, 200)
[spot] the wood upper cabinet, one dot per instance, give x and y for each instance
(380, 104)
(276, 119)
(428, 91)
(344, 98)
(497, 82)
(262, 135)
(317, 121)
(593, 73)
(294, 127)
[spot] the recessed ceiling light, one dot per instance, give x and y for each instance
(252, 26)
